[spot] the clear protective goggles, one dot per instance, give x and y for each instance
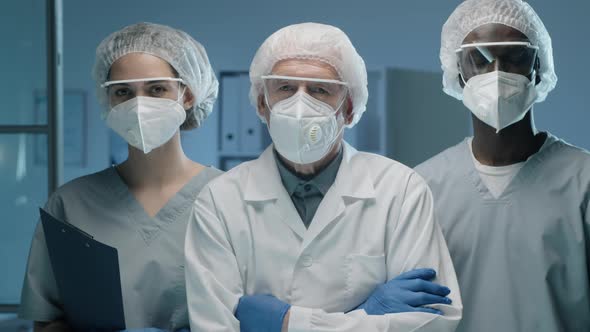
(157, 87)
(278, 88)
(511, 57)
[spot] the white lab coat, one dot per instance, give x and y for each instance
(375, 222)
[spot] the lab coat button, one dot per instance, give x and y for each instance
(306, 261)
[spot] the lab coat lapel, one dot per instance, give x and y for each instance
(352, 183)
(264, 185)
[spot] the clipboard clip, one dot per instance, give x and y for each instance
(70, 226)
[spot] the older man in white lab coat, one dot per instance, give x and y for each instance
(313, 235)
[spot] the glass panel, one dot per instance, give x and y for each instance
(23, 175)
(75, 128)
(23, 63)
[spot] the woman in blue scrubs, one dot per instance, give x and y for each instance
(153, 81)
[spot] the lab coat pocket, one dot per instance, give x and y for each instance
(365, 273)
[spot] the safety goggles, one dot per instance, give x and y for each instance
(157, 87)
(511, 57)
(278, 88)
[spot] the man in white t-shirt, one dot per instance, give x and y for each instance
(513, 202)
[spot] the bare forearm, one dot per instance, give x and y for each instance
(285, 327)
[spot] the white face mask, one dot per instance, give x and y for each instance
(499, 99)
(304, 129)
(146, 122)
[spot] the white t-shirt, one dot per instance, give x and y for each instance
(496, 178)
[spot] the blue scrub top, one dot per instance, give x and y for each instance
(151, 249)
(523, 259)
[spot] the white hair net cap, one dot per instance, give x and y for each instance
(516, 14)
(314, 41)
(176, 47)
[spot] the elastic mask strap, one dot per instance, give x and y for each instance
(180, 96)
(463, 79)
(533, 77)
(341, 125)
(341, 103)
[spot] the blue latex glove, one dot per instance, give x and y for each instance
(408, 292)
(261, 313)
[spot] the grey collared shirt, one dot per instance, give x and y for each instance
(307, 194)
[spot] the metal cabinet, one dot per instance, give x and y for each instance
(242, 136)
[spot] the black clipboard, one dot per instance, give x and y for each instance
(87, 276)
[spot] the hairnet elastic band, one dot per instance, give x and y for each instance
(175, 79)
